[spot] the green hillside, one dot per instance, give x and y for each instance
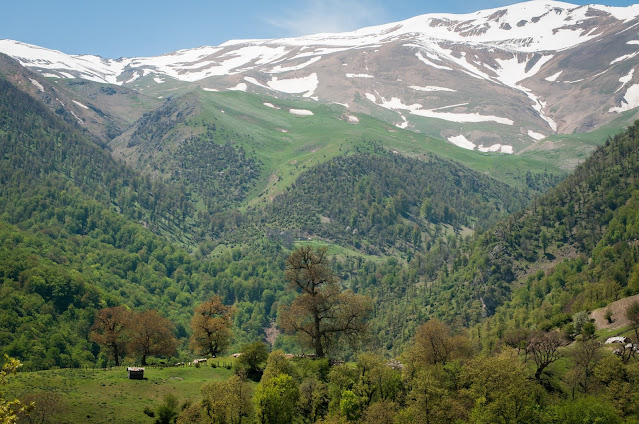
(81, 231)
(573, 249)
(468, 277)
(74, 240)
(579, 217)
(418, 212)
(285, 144)
(383, 203)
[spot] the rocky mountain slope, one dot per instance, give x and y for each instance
(497, 80)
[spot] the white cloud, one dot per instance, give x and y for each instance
(317, 16)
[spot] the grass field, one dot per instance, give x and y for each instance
(108, 396)
(336, 250)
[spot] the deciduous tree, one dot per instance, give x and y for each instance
(432, 401)
(9, 409)
(151, 334)
(381, 412)
(168, 411)
(322, 312)
(586, 354)
(516, 338)
(586, 410)
(377, 381)
(435, 345)
(277, 364)
(276, 400)
(109, 330)
(632, 314)
(313, 401)
(211, 325)
(228, 401)
(252, 358)
(500, 390)
(544, 349)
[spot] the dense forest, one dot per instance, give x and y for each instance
(589, 215)
(441, 378)
(356, 200)
(381, 203)
(73, 240)
(75, 218)
(207, 160)
(572, 250)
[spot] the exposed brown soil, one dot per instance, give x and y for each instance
(271, 332)
(618, 309)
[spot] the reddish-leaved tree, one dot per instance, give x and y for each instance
(151, 334)
(211, 325)
(109, 330)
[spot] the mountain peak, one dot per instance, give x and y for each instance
(532, 26)
(522, 67)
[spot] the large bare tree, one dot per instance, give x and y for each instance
(322, 312)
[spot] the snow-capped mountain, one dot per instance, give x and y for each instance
(496, 80)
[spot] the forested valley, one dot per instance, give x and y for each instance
(449, 296)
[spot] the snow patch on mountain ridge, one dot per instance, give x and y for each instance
(306, 85)
(417, 109)
(525, 27)
(630, 100)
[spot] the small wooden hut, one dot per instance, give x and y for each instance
(135, 373)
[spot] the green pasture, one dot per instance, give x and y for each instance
(108, 396)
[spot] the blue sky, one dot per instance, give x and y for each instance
(116, 28)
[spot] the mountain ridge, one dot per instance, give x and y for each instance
(495, 81)
(349, 38)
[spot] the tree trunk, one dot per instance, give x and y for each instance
(319, 350)
(540, 369)
(116, 355)
(213, 351)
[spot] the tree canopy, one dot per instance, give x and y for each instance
(109, 330)
(151, 334)
(211, 325)
(321, 313)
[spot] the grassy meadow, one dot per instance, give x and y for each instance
(108, 396)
